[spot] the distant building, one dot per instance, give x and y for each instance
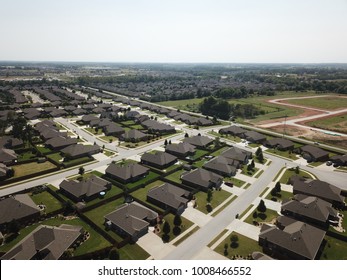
(199, 141)
(180, 150)
(158, 159)
(312, 153)
(280, 144)
(202, 179)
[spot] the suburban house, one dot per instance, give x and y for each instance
(10, 142)
(233, 130)
(131, 114)
(131, 220)
(237, 154)
(3, 171)
(133, 135)
(280, 144)
(58, 143)
(157, 127)
(204, 122)
(50, 133)
(141, 118)
(202, 179)
(180, 150)
(20, 208)
(254, 137)
(158, 159)
(173, 114)
(221, 166)
(86, 119)
(312, 153)
(7, 156)
(168, 196)
(45, 243)
(340, 160)
(199, 141)
(130, 172)
(79, 150)
(113, 129)
(310, 209)
(291, 239)
(319, 189)
(84, 190)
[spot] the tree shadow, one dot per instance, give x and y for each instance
(165, 238)
(234, 245)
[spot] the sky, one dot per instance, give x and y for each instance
(213, 31)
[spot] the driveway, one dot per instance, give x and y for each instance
(196, 216)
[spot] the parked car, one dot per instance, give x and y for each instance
(230, 184)
(329, 163)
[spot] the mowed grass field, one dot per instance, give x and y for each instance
(31, 168)
(335, 123)
(329, 103)
(272, 111)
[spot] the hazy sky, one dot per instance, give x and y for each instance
(174, 30)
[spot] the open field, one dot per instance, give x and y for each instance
(332, 102)
(335, 123)
(31, 168)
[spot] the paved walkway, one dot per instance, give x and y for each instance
(234, 190)
(196, 216)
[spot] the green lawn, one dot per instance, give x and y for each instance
(31, 168)
(187, 235)
(335, 123)
(151, 175)
(97, 216)
(237, 182)
(226, 136)
(328, 103)
(128, 123)
(76, 161)
(137, 126)
(266, 217)
(217, 237)
(169, 218)
(95, 241)
(249, 173)
(132, 252)
(200, 163)
(259, 174)
(243, 247)
(334, 249)
(198, 154)
(93, 131)
(25, 156)
(285, 154)
(282, 195)
(215, 213)
(289, 173)
(175, 177)
(217, 198)
(246, 211)
(109, 153)
(182, 104)
(43, 150)
(45, 198)
(56, 158)
(109, 139)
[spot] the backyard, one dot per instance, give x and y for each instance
(45, 198)
(31, 168)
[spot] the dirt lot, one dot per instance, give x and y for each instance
(338, 141)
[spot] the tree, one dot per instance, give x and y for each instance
(209, 196)
(113, 254)
(81, 170)
(252, 164)
(165, 143)
(258, 151)
(166, 228)
(278, 187)
(234, 241)
(177, 220)
(186, 135)
(249, 168)
(14, 226)
(261, 207)
(273, 192)
(255, 214)
(217, 142)
(297, 169)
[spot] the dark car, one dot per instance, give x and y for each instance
(230, 184)
(329, 163)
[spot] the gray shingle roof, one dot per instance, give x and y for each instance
(199, 141)
(127, 171)
(159, 158)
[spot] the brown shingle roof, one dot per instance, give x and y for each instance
(199, 141)
(127, 171)
(158, 158)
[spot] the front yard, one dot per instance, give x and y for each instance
(218, 197)
(290, 172)
(268, 216)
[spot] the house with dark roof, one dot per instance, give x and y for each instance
(221, 166)
(86, 119)
(291, 239)
(84, 190)
(204, 122)
(133, 135)
(45, 243)
(158, 159)
(312, 153)
(20, 208)
(10, 142)
(340, 160)
(141, 118)
(79, 112)
(130, 172)
(169, 197)
(310, 209)
(237, 154)
(172, 114)
(156, 127)
(280, 144)
(79, 150)
(319, 189)
(4, 171)
(131, 114)
(113, 129)
(233, 130)
(181, 150)
(202, 179)
(50, 133)
(199, 141)
(254, 137)
(7, 156)
(58, 143)
(131, 220)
